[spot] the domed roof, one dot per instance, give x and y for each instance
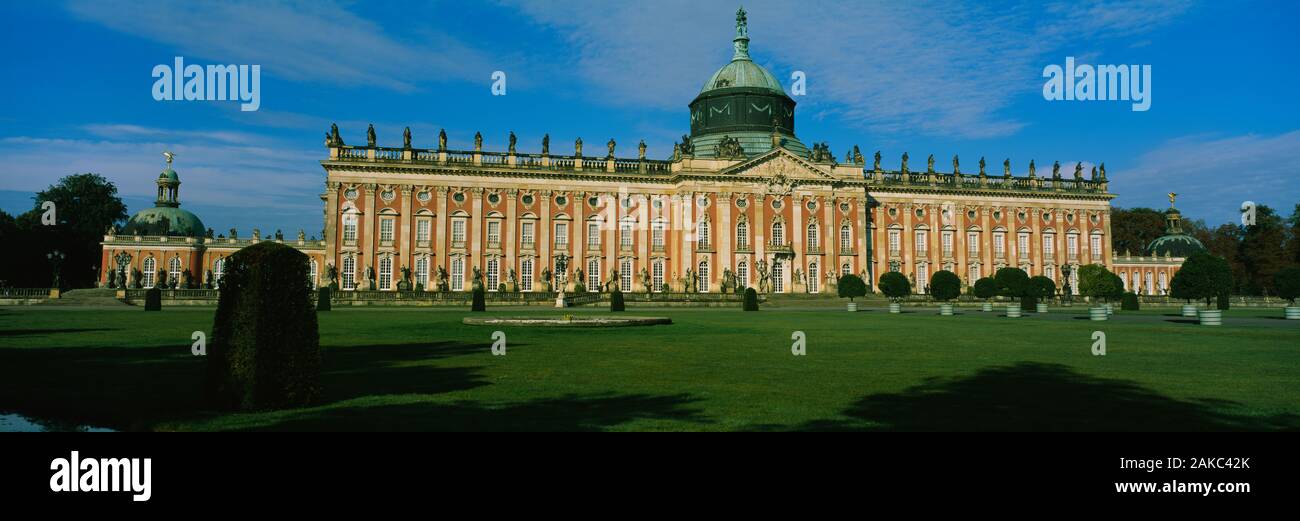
(165, 220)
(169, 175)
(1174, 243)
(743, 73)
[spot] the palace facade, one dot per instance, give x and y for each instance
(741, 202)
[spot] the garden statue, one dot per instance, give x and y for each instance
(577, 147)
(613, 280)
(877, 164)
(370, 136)
(640, 149)
(478, 141)
(511, 147)
(406, 138)
(761, 268)
(798, 277)
(546, 144)
(442, 279)
(728, 280)
(690, 280)
(645, 279)
(442, 139)
(331, 275)
(477, 282)
(370, 277)
(405, 283)
(112, 278)
(956, 165)
(546, 279)
(211, 283)
(611, 146)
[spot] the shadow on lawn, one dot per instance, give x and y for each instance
(1041, 397)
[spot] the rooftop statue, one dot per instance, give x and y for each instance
(1103, 171)
(1056, 170)
(1078, 171)
(956, 165)
(641, 150)
(577, 147)
(513, 139)
(1094, 173)
(877, 164)
(478, 141)
(406, 137)
(611, 144)
(442, 139)
(335, 139)
(904, 162)
(546, 144)
(688, 148)
(1006, 168)
(1033, 170)
(370, 136)
(729, 148)
(1172, 196)
(857, 155)
(929, 164)
(981, 166)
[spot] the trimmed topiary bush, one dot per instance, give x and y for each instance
(478, 303)
(1042, 287)
(985, 288)
(153, 299)
(323, 299)
(616, 300)
(265, 349)
(895, 286)
(851, 286)
(1130, 302)
(945, 285)
(1097, 282)
(751, 300)
(1287, 282)
(1202, 276)
(1029, 303)
(1012, 282)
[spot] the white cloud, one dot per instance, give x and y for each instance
(312, 41)
(937, 67)
(1213, 175)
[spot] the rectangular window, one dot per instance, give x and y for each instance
(494, 234)
(593, 275)
(1072, 245)
(625, 275)
(1095, 248)
(657, 235)
(625, 235)
(846, 238)
(593, 235)
(561, 235)
(894, 238)
(458, 231)
(422, 270)
(1022, 245)
(657, 275)
(999, 243)
(1049, 245)
(742, 236)
(386, 229)
(526, 235)
(422, 227)
(458, 274)
(973, 243)
(349, 229)
(947, 244)
(921, 243)
(386, 273)
(526, 275)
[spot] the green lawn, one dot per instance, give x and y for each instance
(713, 369)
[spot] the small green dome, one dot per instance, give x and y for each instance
(169, 175)
(165, 220)
(742, 72)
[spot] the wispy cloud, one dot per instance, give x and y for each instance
(319, 41)
(938, 67)
(1213, 175)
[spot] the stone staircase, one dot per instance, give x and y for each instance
(105, 297)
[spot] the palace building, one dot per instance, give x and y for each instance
(742, 201)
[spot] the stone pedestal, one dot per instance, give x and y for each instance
(560, 301)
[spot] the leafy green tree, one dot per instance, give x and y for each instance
(1287, 282)
(1099, 283)
(1262, 252)
(1204, 277)
(85, 205)
(1133, 229)
(945, 285)
(985, 288)
(1012, 282)
(851, 286)
(1042, 287)
(895, 285)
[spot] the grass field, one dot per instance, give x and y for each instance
(713, 369)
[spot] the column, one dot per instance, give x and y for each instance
(722, 233)
(367, 241)
(508, 234)
(476, 230)
(331, 225)
(404, 247)
(443, 242)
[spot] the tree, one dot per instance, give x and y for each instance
(895, 286)
(1262, 252)
(1042, 287)
(265, 348)
(1204, 277)
(1133, 229)
(945, 285)
(1097, 282)
(751, 300)
(1012, 282)
(1287, 282)
(85, 205)
(851, 286)
(985, 288)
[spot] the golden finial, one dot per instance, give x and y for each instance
(1171, 198)
(169, 156)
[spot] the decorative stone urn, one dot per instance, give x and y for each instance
(1211, 317)
(1097, 313)
(1189, 310)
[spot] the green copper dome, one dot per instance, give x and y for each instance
(743, 73)
(166, 217)
(1174, 243)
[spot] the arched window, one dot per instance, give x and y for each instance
(702, 235)
(1148, 287)
(845, 269)
(526, 275)
(625, 275)
(349, 272)
(312, 273)
(422, 270)
(813, 282)
(150, 269)
(493, 274)
(778, 234)
(812, 236)
(742, 273)
(742, 236)
(846, 237)
(457, 274)
(218, 269)
(386, 273)
(593, 274)
(703, 277)
(778, 277)
(657, 275)
(174, 272)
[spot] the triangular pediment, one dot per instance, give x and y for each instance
(779, 165)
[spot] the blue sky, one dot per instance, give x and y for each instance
(922, 77)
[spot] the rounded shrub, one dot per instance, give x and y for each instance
(895, 285)
(751, 300)
(985, 288)
(479, 301)
(323, 298)
(1012, 282)
(265, 349)
(1287, 282)
(1029, 303)
(851, 286)
(1130, 302)
(945, 285)
(153, 299)
(1042, 287)
(616, 300)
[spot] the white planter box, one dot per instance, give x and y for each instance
(1013, 310)
(945, 310)
(1041, 308)
(1097, 313)
(1292, 312)
(1211, 317)
(1189, 310)
(895, 307)
(853, 306)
